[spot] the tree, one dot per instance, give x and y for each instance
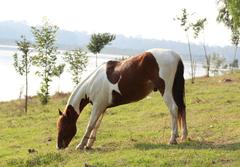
(77, 59)
(234, 64)
(98, 42)
(217, 63)
(229, 15)
(197, 28)
(46, 57)
(22, 64)
(186, 25)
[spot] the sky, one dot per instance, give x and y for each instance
(152, 19)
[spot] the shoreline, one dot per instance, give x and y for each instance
(12, 84)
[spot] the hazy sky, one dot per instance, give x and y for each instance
(143, 18)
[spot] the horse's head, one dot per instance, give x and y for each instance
(66, 126)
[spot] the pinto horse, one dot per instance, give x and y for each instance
(121, 82)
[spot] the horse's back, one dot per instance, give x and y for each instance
(165, 56)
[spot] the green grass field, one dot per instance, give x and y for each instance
(130, 135)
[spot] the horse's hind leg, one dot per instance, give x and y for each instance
(92, 137)
(174, 113)
(184, 126)
(168, 99)
(96, 113)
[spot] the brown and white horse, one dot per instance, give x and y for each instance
(121, 82)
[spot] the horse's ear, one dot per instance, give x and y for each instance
(60, 112)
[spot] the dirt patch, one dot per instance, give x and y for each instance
(32, 150)
(227, 80)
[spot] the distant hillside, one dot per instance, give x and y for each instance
(11, 31)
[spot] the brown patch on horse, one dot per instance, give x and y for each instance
(66, 127)
(138, 75)
(113, 74)
(83, 103)
(66, 123)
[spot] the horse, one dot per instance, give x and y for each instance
(120, 82)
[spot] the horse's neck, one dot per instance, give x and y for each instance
(76, 96)
(81, 91)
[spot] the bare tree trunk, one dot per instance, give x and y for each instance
(26, 95)
(234, 57)
(96, 59)
(207, 60)
(191, 59)
(235, 52)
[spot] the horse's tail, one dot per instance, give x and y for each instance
(179, 92)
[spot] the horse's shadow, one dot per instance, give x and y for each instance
(197, 145)
(193, 144)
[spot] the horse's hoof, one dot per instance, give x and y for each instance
(79, 147)
(89, 148)
(173, 141)
(183, 138)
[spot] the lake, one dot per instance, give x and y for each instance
(12, 84)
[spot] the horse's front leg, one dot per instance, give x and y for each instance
(91, 124)
(92, 137)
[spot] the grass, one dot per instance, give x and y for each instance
(130, 135)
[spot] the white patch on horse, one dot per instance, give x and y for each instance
(115, 86)
(168, 61)
(87, 87)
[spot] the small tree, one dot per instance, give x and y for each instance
(98, 41)
(22, 64)
(217, 63)
(186, 25)
(197, 28)
(77, 59)
(45, 60)
(234, 64)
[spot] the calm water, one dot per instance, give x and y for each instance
(12, 84)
